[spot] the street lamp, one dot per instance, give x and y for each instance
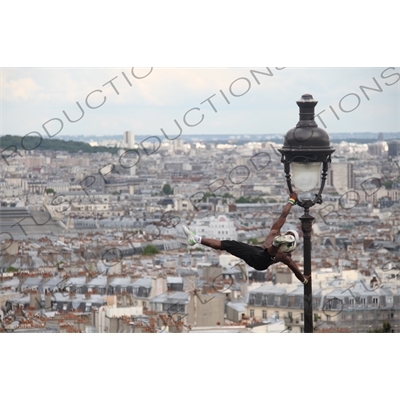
(306, 153)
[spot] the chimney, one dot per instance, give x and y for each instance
(207, 288)
(47, 300)
(109, 278)
(35, 299)
(25, 259)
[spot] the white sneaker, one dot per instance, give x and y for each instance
(190, 235)
(285, 239)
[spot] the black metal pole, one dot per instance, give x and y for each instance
(306, 226)
(307, 143)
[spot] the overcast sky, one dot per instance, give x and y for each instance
(149, 100)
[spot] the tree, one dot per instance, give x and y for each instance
(385, 328)
(252, 241)
(49, 191)
(388, 184)
(150, 250)
(11, 269)
(56, 144)
(242, 199)
(167, 190)
(59, 264)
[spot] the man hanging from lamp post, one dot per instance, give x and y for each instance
(276, 247)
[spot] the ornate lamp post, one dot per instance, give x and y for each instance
(305, 149)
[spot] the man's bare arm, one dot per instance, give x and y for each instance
(295, 269)
(277, 225)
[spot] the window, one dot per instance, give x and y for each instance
(352, 301)
(363, 301)
(328, 305)
(251, 313)
(301, 317)
(389, 301)
(375, 300)
(328, 317)
(264, 314)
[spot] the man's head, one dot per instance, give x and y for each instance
(293, 233)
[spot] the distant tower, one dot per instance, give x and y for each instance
(126, 168)
(381, 137)
(394, 148)
(129, 139)
(342, 177)
(177, 144)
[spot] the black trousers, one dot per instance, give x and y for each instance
(255, 256)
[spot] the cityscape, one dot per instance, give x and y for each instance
(103, 164)
(92, 242)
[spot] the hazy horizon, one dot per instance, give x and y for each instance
(187, 101)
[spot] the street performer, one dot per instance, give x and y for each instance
(276, 247)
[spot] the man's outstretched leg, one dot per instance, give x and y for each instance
(193, 239)
(254, 256)
(217, 244)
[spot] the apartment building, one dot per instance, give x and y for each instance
(217, 227)
(353, 308)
